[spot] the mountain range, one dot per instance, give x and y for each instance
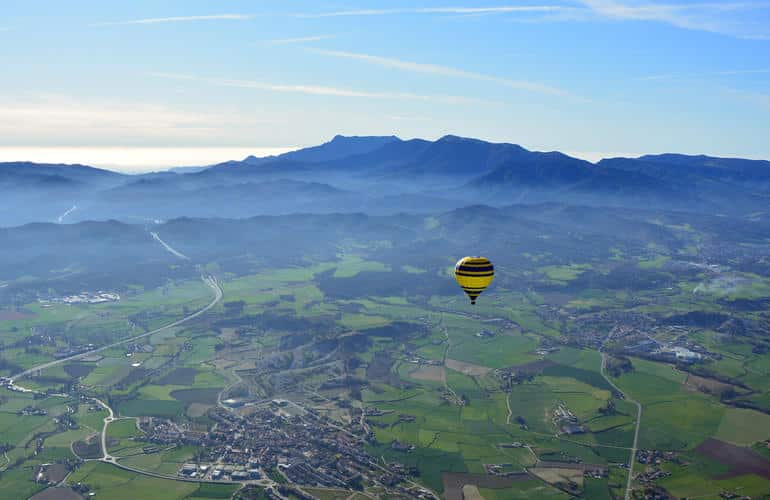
(380, 176)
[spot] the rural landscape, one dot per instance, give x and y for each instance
(370, 249)
(621, 351)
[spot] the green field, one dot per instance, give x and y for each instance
(436, 366)
(110, 482)
(673, 417)
(743, 427)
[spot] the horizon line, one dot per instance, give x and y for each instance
(164, 158)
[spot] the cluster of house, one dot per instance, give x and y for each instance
(652, 475)
(397, 445)
(565, 420)
(417, 359)
(452, 398)
(372, 411)
(66, 352)
(656, 457)
(139, 347)
(8, 384)
(653, 459)
(307, 450)
(84, 298)
(164, 431)
(31, 410)
(503, 469)
(592, 329)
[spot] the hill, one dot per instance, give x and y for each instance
(384, 175)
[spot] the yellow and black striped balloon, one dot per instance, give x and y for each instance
(474, 274)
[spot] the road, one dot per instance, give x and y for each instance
(106, 457)
(443, 360)
(60, 219)
(636, 431)
(210, 281)
(237, 381)
(168, 247)
(358, 438)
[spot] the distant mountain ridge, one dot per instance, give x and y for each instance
(383, 175)
(20, 172)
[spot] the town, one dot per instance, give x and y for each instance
(282, 442)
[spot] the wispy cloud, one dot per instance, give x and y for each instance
(741, 72)
(300, 40)
(727, 18)
(761, 99)
(410, 118)
(733, 18)
(179, 19)
(134, 159)
(320, 90)
(437, 10)
(701, 76)
(60, 119)
(435, 69)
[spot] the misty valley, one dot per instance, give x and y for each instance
(290, 327)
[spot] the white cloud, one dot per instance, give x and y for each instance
(731, 18)
(741, 72)
(56, 120)
(300, 40)
(701, 76)
(135, 159)
(438, 10)
(320, 90)
(179, 19)
(490, 10)
(727, 18)
(55, 111)
(410, 118)
(435, 69)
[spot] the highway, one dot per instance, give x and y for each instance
(169, 248)
(636, 431)
(209, 280)
(60, 219)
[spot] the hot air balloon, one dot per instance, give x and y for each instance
(474, 274)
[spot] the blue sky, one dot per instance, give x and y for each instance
(146, 83)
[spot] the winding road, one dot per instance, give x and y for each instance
(106, 457)
(209, 280)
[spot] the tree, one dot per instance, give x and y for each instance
(234, 307)
(608, 408)
(728, 394)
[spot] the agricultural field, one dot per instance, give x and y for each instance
(110, 482)
(537, 382)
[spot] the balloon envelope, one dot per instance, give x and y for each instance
(474, 274)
